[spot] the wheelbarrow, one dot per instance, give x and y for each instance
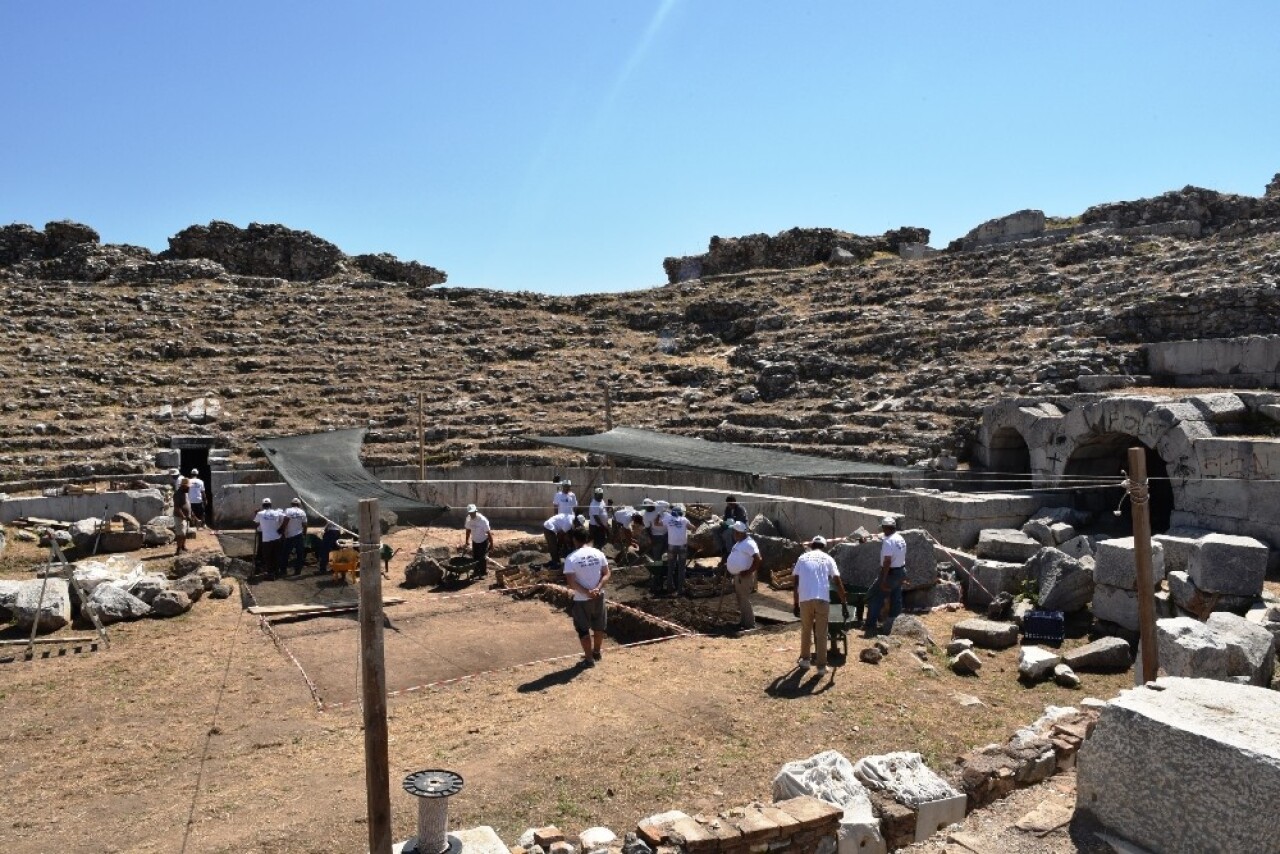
(838, 627)
(657, 576)
(344, 561)
(459, 568)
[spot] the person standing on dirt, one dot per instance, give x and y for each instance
(565, 501)
(893, 573)
(556, 530)
(586, 571)
(658, 531)
(295, 537)
(742, 563)
(476, 532)
(182, 503)
(598, 520)
(677, 547)
(622, 527)
(811, 596)
(195, 495)
(271, 523)
(328, 542)
(733, 512)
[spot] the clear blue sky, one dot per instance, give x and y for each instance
(570, 146)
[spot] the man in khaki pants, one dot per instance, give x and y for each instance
(812, 597)
(742, 563)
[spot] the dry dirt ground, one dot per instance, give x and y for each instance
(200, 734)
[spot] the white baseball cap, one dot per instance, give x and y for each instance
(663, 505)
(266, 502)
(471, 508)
(819, 542)
(889, 522)
(740, 527)
(195, 471)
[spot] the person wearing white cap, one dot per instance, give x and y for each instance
(893, 572)
(677, 547)
(565, 501)
(598, 520)
(270, 522)
(195, 495)
(658, 530)
(556, 530)
(743, 563)
(475, 530)
(811, 597)
(295, 537)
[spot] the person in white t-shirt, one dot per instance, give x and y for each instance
(598, 520)
(814, 572)
(622, 526)
(586, 571)
(893, 573)
(295, 537)
(195, 496)
(556, 531)
(677, 547)
(476, 532)
(270, 523)
(743, 563)
(658, 530)
(565, 501)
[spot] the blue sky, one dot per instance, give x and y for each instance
(569, 146)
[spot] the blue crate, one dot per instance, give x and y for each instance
(1047, 626)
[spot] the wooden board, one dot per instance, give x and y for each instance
(283, 610)
(773, 615)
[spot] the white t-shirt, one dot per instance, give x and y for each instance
(587, 566)
(561, 522)
(624, 516)
(596, 514)
(659, 524)
(814, 571)
(478, 525)
(741, 556)
(268, 520)
(677, 530)
(565, 502)
(195, 490)
(297, 521)
(647, 516)
(894, 548)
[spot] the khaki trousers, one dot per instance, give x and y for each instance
(813, 620)
(743, 582)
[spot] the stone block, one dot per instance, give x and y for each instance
(1116, 605)
(1223, 649)
(1078, 547)
(1115, 564)
(904, 777)
(1062, 582)
(1225, 563)
(1005, 544)
(1220, 408)
(1179, 545)
(1188, 597)
(989, 578)
(987, 634)
(1143, 772)
(1035, 663)
(935, 816)
(480, 840)
(1105, 655)
(44, 603)
(115, 605)
(860, 564)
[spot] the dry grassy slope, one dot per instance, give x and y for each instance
(888, 360)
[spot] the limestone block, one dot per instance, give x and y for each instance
(1225, 563)
(1038, 530)
(1006, 544)
(1253, 648)
(1079, 547)
(1172, 738)
(990, 578)
(1190, 598)
(49, 609)
(1116, 566)
(860, 564)
(1116, 605)
(114, 605)
(1178, 545)
(987, 634)
(1035, 663)
(170, 603)
(1224, 648)
(1062, 582)
(829, 776)
(1220, 408)
(904, 777)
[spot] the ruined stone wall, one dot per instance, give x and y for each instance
(1240, 311)
(1251, 362)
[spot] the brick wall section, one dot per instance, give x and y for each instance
(795, 826)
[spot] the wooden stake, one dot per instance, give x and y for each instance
(373, 687)
(422, 443)
(1139, 498)
(608, 407)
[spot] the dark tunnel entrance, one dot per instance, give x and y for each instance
(1107, 456)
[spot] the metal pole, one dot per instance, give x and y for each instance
(373, 683)
(422, 444)
(1139, 499)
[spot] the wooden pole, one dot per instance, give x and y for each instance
(373, 687)
(608, 407)
(1139, 496)
(422, 443)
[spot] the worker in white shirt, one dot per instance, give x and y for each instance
(195, 495)
(476, 532)
(295, 537)
(564, 501)
(598, 520)
(743, 563)
(270, 524)
(556, 531)
(658, 531)
(622, 527)
(893, 573)
(677, 547)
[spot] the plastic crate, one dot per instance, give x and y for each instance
(1047, 626)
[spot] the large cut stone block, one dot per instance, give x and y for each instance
(860, 564)
(1225, 563)
(1006, 544)
(1116, 605)
(1225, 648)
(989, 578)
(1145, 773)
(1104, 654)
(986, 633)
(1178, 546)
(829, 776)
(44, 603)
(1190, 598)
(1115, 564)
(1062, 582)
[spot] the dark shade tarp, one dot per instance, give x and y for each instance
(326, 472)
(684, 452)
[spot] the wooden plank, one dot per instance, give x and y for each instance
(373, 683)
(773, 615)
(282, 610)
(38, 641)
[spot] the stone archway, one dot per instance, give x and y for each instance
(1105, 455)
(1007, 451)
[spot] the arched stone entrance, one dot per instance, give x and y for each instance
(1008, 452)
(1105, 455)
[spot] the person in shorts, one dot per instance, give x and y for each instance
(586, 571)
